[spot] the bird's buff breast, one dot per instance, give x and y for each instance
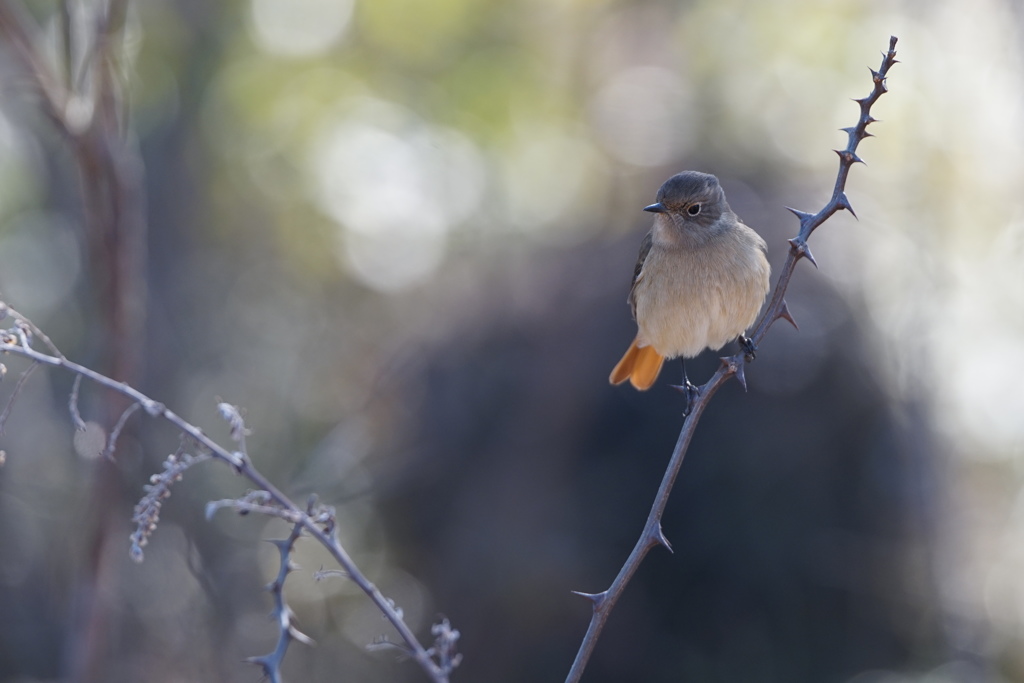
(686, 302)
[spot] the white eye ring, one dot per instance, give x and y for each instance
(693, 209)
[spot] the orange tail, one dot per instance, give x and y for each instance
(640, 365)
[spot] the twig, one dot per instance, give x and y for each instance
(287, 631)
(652, 534)
(14, 395)
(108, 452)
(31, 327)
(260, 504)
(76, 416)
(267, 500)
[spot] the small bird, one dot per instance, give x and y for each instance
(699, 282)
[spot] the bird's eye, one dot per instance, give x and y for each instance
(693, 209)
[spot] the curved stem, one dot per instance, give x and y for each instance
(652, 534)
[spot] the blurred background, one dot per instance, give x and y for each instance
(400, 236)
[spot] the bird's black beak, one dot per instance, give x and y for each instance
(655, 208)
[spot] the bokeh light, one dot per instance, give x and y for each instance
(299, 28)
(552, 182)
(644, 116)
(396, 187)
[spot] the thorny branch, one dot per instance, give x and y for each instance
(287, 631)
(652, 534)
(316, 521)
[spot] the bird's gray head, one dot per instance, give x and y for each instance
(691, 200)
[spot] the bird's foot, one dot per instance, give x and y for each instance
(690, 391)
(749, 349)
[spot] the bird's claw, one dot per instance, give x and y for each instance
(749, 348)
(691, 392)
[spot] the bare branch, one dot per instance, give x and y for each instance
(108, 452)
(36, 332)
(733, 366)
(317, 521)
(76, 417)
(282, 614)
(244, 506)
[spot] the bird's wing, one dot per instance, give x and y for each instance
(638, 271)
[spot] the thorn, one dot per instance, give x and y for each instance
(844, 203)
(263, 662)
(658, 537)
(741, 374)
(802, 216)
(596, 598)
(786, 315)
(802, 250)
(870, 119)
(848, 157)
(298, 635)
(282, 545)
(875, 76)
(734, 365)
(850, 130)
(809, 256)
(690, 391)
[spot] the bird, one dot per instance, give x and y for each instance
(699, 282)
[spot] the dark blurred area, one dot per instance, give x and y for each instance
(400, 236)
(798, 523)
